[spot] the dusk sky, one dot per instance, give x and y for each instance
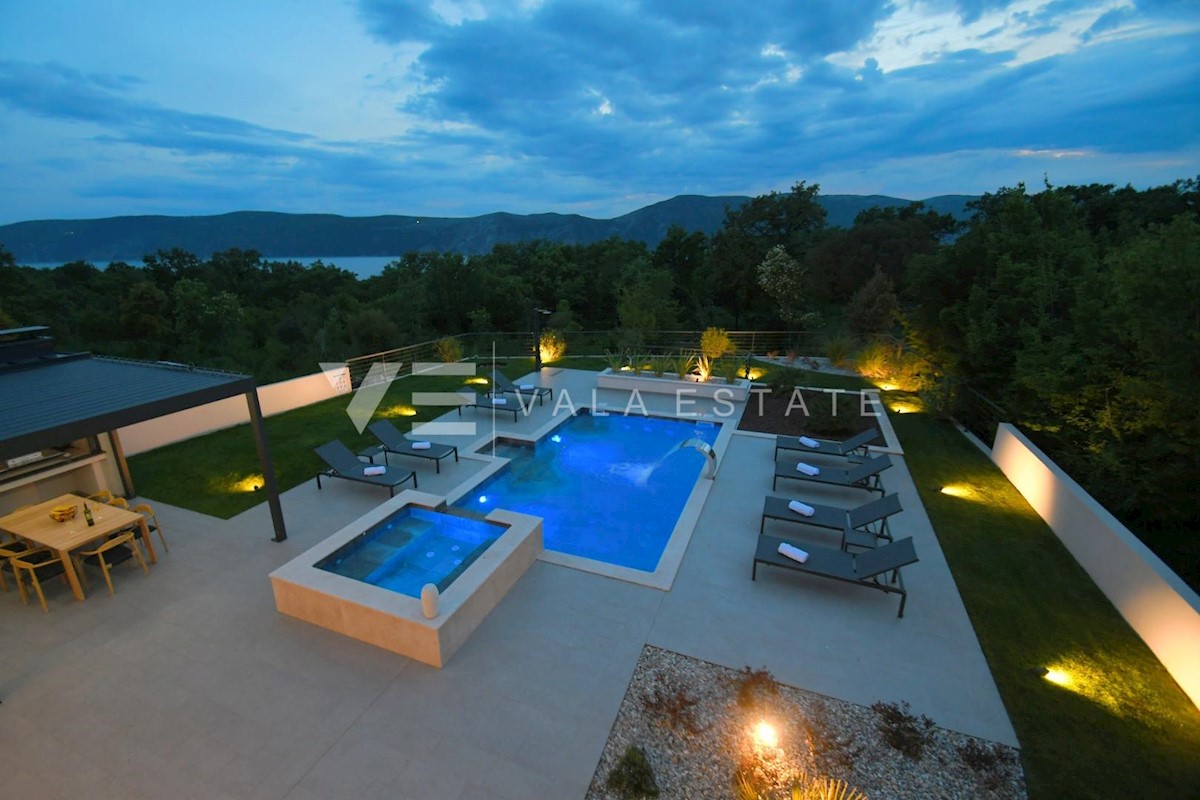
(461, 108)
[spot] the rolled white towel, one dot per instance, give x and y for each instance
(499, 401)
(526, 387)
(801, 508)
(420, 445)
(807, 469)
(792, 552)
(376, 470)
(807, 442)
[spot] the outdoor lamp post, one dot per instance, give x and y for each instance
(538, 313)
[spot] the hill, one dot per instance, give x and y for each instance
(275, 235)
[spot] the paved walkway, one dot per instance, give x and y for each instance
(188, 684)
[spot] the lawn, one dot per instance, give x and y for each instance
(1121, 727)
(216, 473)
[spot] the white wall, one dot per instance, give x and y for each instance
(274, 398)
(1163, 610)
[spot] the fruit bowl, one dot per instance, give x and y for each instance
(63, 513)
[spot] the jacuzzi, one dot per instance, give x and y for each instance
(365, 580)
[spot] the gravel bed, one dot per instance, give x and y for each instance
(696, 750)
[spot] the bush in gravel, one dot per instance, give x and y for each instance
(902, 730)
(633, 777)
(754, 686)
(831, 749)
(675, 708)
(989, 761)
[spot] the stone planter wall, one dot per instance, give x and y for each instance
(651, 384)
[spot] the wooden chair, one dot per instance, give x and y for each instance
(33, 562)
(11, 548)
(119, 502)
(115, 550)
(152, 522)
(102, 496)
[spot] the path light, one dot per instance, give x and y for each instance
(765, 734)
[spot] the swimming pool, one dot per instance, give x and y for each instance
(412, 547)
(609, 487)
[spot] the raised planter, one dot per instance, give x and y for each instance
(737, 391)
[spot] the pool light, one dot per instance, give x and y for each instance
(556, 438)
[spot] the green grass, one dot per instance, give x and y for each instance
(1123, 728)
(203, 473)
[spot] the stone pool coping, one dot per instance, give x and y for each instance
(395, 621)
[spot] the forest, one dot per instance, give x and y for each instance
(1073, 311)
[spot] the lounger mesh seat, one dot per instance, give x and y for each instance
(344, 464)
(870, 569)
(391, 440)
(487, 404)
(859, 476)
(865, 524)
(855, 445)
(501, 383)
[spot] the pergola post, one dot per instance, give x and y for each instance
(122, 464)
(264, 459)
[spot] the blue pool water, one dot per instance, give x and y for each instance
(411, 548)
(610, 488)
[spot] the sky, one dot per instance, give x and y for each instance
(458, 108)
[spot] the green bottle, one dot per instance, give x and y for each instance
(87, 514)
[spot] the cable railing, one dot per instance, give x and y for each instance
(520, 344)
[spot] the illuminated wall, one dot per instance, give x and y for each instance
(275, 398)
(1163, 610)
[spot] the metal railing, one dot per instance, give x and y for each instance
(520, 344)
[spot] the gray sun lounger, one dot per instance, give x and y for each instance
(344, 464)
(486, 404)
(862, 569)
(859, 476)
(501, 383)
(391, 440)
(861, 526)
(856, 445)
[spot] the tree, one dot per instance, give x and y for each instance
(873, 308)
(781, 277)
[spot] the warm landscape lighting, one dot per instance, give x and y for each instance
(251, 483)
(766, 735)
(1057, 676)
(958, 490)
(479, 380)
(399, 410)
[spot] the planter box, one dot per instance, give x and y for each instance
(737, 391)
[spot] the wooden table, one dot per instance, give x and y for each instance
(34, 524)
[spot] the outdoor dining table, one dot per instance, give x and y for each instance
(35, 525)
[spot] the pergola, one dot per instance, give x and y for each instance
(47, 398)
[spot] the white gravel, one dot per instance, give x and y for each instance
(699, 755)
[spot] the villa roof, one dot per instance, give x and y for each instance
(51, 400)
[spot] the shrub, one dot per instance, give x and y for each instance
(552, 346)
(821, 419)
(675, 708)
(615, 360)
(683, 364)
(783, 380)
(990, 762)
(902, 730)
(754, 686)
(715, 342)
(448, 349)
(728, 368)
(839, 349)
(831, 749)
(633, 777)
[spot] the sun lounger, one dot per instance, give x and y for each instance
(856, 445)
(391, 440)
(501, 384)
(867, 569)
(859, 476)
(861, 526)
(487, 404)
(344, 464)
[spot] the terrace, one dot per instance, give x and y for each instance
(189, 683)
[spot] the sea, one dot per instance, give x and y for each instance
(362, 266)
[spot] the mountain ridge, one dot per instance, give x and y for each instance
(277, 234)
